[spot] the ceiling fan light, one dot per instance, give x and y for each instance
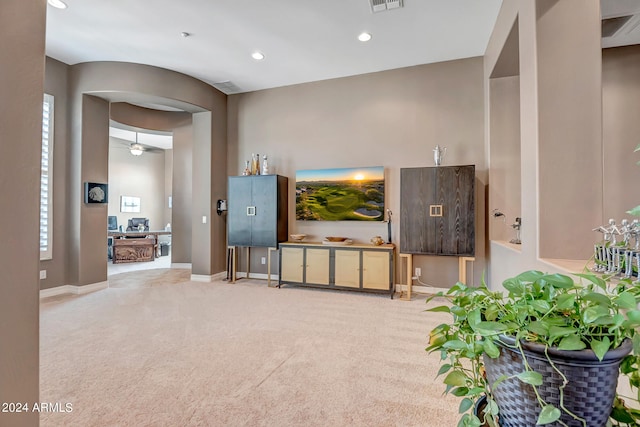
(58, 4)
(364, 37)
(136, 149)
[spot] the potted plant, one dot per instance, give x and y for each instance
(548, 352)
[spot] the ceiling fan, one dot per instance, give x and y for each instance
(136, 148)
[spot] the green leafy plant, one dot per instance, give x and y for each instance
(590, 312)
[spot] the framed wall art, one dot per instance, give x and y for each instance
(95, 193)
(129, 204)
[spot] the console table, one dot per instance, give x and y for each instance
(356, 267)
(140, 247)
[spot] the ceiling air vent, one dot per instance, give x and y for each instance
(611, 26)
(227, 87)
(382, 5)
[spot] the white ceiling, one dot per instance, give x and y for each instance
(162, 140)
(303, 40)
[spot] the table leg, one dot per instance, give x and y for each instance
(409, 259)
(462, 268)
(269, 266)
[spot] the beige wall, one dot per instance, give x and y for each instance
(504, 176)
(182, 194)
(22, 25)
(560, 132)
(392, 119)
(621, 130)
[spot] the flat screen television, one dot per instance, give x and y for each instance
(340, 194)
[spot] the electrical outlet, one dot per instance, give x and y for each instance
(418, 271)
(43, 274)
(263, 260)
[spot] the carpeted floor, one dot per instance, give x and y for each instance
(158, 350)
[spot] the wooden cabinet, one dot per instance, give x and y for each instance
(437, 210)
(257, 210)
(354, 267)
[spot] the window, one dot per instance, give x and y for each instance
(46, 178)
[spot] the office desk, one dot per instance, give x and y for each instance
(143, 248)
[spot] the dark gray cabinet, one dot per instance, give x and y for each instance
(437, 210)
(257, 210)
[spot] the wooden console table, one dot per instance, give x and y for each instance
(144, 247)
(355, 267)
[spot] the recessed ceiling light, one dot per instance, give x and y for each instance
(258, 56)
(59, 4)
(364, 37)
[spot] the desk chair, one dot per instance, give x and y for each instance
(135, 222)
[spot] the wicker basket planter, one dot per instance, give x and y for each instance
(589, 393)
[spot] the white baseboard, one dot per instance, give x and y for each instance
(73, 290)
(182, 265)
(419, 289)
(206, 278)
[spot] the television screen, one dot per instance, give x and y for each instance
(343, 194)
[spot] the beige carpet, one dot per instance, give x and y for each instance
(158, 350)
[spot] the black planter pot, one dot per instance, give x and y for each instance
(589, 393)
(479, 407)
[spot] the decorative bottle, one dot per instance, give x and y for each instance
(247, 168)
(253, 164)
(265, 165)
(257, 162)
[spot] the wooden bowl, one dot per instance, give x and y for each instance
(336, 239)
(298, 237)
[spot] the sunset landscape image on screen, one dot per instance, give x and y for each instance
(342, 194)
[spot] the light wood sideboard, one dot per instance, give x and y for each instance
(356, 267)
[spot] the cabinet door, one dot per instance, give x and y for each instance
(375, 269)
(291, 264)
(238, 223)
(317, 267)
(455, 230)
(264, 222)
(347, 268)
